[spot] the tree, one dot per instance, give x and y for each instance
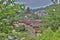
(10, 8)
(55, 1)
(53, 17)
(49, 35)
(7, 11)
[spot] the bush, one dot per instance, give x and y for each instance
(6, 29)
(49, 35)
(3, 36)
(52, 19)
(21, 28)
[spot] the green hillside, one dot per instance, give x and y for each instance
(52, 20)
(53, 17)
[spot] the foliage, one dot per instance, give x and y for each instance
(10, 12)
(6, 29)
(10, 9)
(49, 35)
(42, 27)
(3, 36)
(54, 1)
(8, 1)
(53, 17)
(57, 35)
(21, 28)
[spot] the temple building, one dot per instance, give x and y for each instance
(28, 10)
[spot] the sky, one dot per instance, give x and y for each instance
(35, 3)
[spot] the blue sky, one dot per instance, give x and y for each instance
(35, 3)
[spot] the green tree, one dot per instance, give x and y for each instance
(10, 8)
(7, 11)
(54, 1)
(53, 17)
(47, 35)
